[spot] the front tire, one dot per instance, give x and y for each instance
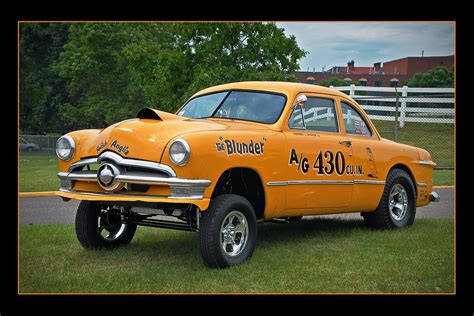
(397, 207)
(100, 227)
(228, 231)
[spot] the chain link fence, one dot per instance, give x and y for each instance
(422, 117)
(38, 147)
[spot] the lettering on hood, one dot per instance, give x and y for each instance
(232, 147)
(100, 146)
(119, 148)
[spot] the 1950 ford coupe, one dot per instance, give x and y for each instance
(234, 155)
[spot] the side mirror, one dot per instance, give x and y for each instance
(300, 100)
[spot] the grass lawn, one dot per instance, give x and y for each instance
(38, 171)
(443, 177)
(313, 256)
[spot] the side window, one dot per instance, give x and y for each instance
(353, 122)
(319, 115)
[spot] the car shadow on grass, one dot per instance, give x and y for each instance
(165, 245)
(309, 228)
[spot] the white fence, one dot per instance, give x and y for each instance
(313, 113)
(440, 96)
(326, 114)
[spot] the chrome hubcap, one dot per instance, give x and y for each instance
(109, 225)
(234, 233)
(398, 202)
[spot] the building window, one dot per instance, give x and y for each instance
(394, 82)
(363, 81)
(378, 83)
(311, 80)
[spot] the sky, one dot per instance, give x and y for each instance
(335, 43)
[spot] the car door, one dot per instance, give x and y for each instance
(318, 156)
(368, 180)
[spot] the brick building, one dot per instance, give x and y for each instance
(386, 75)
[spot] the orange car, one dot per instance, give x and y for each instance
(234, 155)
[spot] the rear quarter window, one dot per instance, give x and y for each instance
(353, 121)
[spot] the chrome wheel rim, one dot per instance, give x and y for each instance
(109, 225)
(398, 202)
(234, 234)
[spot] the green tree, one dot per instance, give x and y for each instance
(42, 91)
(227, 52)
(104, 63)
(113, 69)
(440, 77)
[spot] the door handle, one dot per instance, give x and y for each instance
(346, 141)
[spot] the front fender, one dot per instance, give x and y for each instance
(84, 140)
(211, 156)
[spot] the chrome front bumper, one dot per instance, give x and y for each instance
(151, 173)
(434, 197)
(137, 178)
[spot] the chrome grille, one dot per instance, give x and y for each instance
(180, 191)
(131, 172)
(132, 164)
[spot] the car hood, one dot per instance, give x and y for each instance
(146, 137)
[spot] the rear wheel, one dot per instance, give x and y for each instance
(397, 207)
(100, 226)
(228, 231)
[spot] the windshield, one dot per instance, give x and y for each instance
(253, 106)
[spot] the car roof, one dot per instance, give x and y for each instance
(288, 88)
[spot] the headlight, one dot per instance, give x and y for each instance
(65, 148)
(179, 152)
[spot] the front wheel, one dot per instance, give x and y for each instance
(397, 207)
(100, 226)
(228, 231)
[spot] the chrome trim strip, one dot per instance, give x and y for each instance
(369, 182)
(277, 183)
(153, 180)
(82, 177)
(298, 182)
(124, 162)
(325, 182)
(63, 175)
(192, 197)
(138, 178)
(424, 163)
(82, 162)
(422, 184)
